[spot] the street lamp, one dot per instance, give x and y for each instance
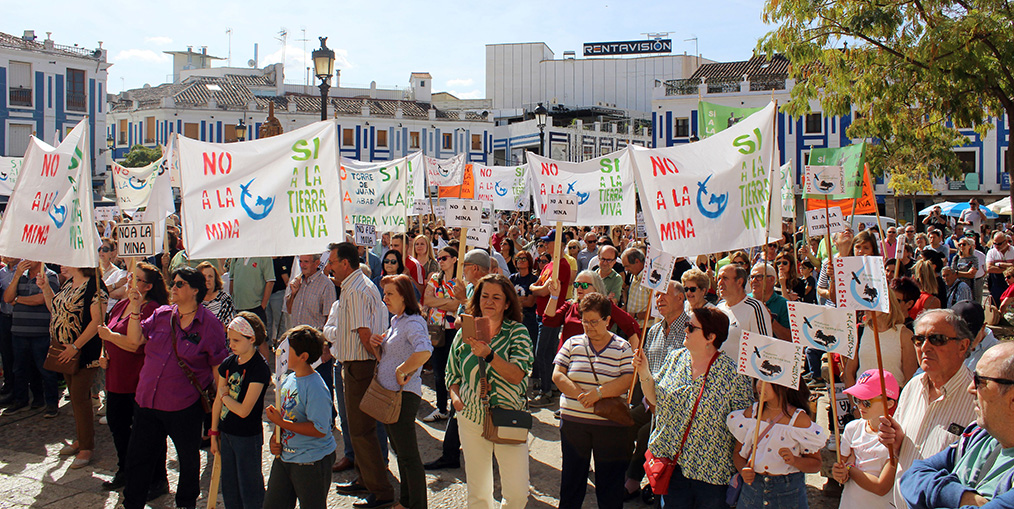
(323, 65)
(241, 130)
(110, 142)
(540, 120)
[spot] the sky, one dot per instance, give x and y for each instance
(377, 41)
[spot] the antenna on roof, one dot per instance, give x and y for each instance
(283, 37)
(228, 31)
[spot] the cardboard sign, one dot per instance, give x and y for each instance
(560, 207)
(282, 360)
(861, 283)
(479, 236)
(366, 235)
(823, 180)
(770, 359)
(817, 221)
(420, 206)
(659, 266)
(463, 213)
(641, 231)
(106, 213)
(135, 239)
(824, 328)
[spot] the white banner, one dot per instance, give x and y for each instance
(49, 216)
(788, 191)
(817, 221)
(479, 237)
(506, 187)
(770, 359)
(9, 169)
(381, 193)
(269, 197)
(711, 195)
(133, 185)
(604, 187)
(444, 172)
(659, 266)
(861, 283)
(824, 328)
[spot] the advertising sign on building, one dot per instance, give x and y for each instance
(627, 47)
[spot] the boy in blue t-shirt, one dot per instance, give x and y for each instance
(306, 451)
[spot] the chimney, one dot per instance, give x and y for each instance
(29, 35)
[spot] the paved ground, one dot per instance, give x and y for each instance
(33, 475)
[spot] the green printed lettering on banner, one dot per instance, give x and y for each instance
(306, 197)
(610, 188)
(754, 189)
(715, 118)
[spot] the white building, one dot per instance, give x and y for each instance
(48, 89)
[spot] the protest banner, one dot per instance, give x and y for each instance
(133, 185)
(479, 237)
(824, 328)
(819, 221)
(379, 193)
(463, 213)
(861, 283)
(560, 208)
(604, 186)
(866, 204)
(770, 359)
(267, 197)
(822, 180)
(161, 203)
(49, 217)
(9, 169)
(444, 172)
(366, 235)
(851, 159)
(505, 187)
(788, 191)
(658, 267)
(712, 195)
(639, 231)
(715, 118)
(106, 213)
(136, 240)
(171, 160)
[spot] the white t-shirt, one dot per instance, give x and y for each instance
(114, 275)
(748, 314)
(870, 457)
(972, 216)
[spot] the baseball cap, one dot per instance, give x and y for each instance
(478, 257)
(549, 238)
(867, 386)
(972, 313)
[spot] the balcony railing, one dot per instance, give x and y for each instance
(21, 97)
(77, 101)
(681, 87)
(763, 83)
(724, 85)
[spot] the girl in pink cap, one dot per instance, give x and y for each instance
(864, 460)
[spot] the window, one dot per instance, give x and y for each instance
(422, 83)
(966, 161)
(413, 139)
(348, 138)
(18, 136)
(121, 139)
(382, 138)
(191, 130)
(476, 142)
(229, 132)
(447, 142)
(20, 84)
(76, 97)
(813, 124)
(149, 129)
(682, 128)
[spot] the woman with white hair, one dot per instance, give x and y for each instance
(568, 315)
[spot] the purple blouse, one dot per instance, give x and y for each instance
(163, 385)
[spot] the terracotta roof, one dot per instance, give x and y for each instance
(250, 81)
(756, 66)
(13, 41)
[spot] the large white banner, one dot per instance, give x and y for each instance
(380, 193)
(711, 195)
(604, 186)
(49, 216)
(788, 191)
(507, 187)
(444, 172)
(133, 185)
(269, 197)
(9, 169)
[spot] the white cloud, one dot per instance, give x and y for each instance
(471, 94)
(145, 55)
(466, 82)
(158, 40)
(295, 64)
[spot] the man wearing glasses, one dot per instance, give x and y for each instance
(979, 468)
(999, 257)
(606, 263)
(591, 250)
(935, 405)
(972, 217)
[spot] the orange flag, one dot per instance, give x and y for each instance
(465, 190)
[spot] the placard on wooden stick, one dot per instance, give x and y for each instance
(135, 239)
(823, 180)
(463, 213)
(366, 235)
(817, 221)
(561, 208)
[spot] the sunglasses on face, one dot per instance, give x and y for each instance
(690, 289)
(934, 339)
(443, 258)
(865, 403)
(178, 284)
(582, 286)
(690, 328)
(105, 249)
(980, 380)
(783, 262)
(390, 262)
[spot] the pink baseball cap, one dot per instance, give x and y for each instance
(867, 386)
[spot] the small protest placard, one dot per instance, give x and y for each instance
(106, 213)
(770, 359)
(366, 235)
(861, 283)
(824, 328)
(463, 213)
(135, 239)
(817, 221)
(420, 206)
(282, 359)
(641, 232)
(560, 207)
(658, 269)
(823, 180)
(479, 236)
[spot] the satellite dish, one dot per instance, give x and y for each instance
(251, 63)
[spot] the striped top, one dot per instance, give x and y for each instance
(576, 357)
(659, 341)
(748, 314)
(32, 320)
(511, 343)
(312, 304)
(360, 306)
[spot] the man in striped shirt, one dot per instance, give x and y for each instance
(355, 317)
(745, 312)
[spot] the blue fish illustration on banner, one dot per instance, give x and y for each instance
(824, 328)
(861, 283)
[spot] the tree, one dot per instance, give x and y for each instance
(911, 70)
(140, 156)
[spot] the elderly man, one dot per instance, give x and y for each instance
(889, 246)
(745, 312)
(637, 298)
(957, 290)
(973, 216)
(934, 405)
(978, 469)
(590, 251)
(909, 237)
(999, 257)
(762, 288)
(984, 339)
(612, 279)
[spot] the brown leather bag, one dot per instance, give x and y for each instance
(615, 408)
(53, 360)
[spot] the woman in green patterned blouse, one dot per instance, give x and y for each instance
(508, 360)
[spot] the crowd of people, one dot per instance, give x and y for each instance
(644, 382)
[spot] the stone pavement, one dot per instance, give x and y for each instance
(33, 475)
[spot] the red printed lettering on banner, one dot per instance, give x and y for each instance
(50, 164)
(42, 201)
(550, 169)
(35, 234)
(677, 230)
(223, 230)
(217, 164)
(663, 165)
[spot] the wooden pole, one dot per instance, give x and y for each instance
(461, 252)
(756, 430)
(637, 342)
(830, 254)
(216, 476)
(551, 305)
(883, 385)
(834, 408)
(278, 401)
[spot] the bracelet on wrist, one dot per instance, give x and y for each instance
(75, 347)
(213, 433)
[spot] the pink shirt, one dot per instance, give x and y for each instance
(124, 367)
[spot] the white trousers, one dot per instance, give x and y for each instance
(513, 462)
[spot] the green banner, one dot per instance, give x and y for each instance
(851, 159)
(714, 118)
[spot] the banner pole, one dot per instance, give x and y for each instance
(462, 245)
(756, 430)
(644, 331)
(216, 475)
(832, 395)
(551, 305)
(883, 385)
(278, 400)
(830, 254)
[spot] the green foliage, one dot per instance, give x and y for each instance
(140, 156)
(906, 68)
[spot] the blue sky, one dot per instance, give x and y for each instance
(377, 41)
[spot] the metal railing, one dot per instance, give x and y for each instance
(77, 101)
(21, 97)
(725, 85)
(763, 83)
(681, 87)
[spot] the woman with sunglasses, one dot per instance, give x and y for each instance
(1007, 298)
(522, 280)
(424, 255)
(965, 263)
(507, 251)
(123, 369)
(696, 285)
(568, 314)
(440, 238)
(114, 277)
(896, 348)
(789, 284)
(170, 398)
(698, 376)
(439, 307)
(392, 266)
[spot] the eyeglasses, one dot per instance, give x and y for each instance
(105, 249)
(390, 262)
(690, 289)
(443, 258)
(572, 248)
(606, 260)
(583, 286)
(782, 262)
(756, 276)
(178, 284)
(591, 323)
(690, 328)
(980, 380)
(934, 339)
(865, 403)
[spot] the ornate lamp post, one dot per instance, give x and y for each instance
(241, 130)
(323, 65)
(540, 120)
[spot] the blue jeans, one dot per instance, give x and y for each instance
(813, 362)
(276, 318)
(31, 351)
(783, 491)
(339, 390)
(242, 479)
(545, 352)
(687, 493)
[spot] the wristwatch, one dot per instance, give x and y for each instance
(489, 358)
